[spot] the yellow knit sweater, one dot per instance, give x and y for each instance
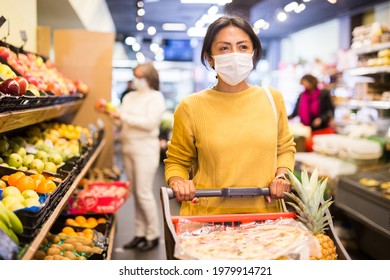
(230, 140)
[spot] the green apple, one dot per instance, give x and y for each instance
(10, 191)
(50, 167)
(30, 194)
(16, 206)
(22, 168)
(31, 201)
(4, 146)
(27, 159)
(37, 165)
(56, 158)
(11, 199)
(15, 160)
(42, 155)
(1, 160)
(21, 151)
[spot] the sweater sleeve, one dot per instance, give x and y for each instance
(181, 151)
(151, 119)
(286, 145)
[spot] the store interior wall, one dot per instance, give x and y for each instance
(20, 15)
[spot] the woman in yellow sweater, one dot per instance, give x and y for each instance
(232, 135)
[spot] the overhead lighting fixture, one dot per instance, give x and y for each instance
(196, 32)
(141, 12)
(219, 2)
(174, 26)
(332, 1)
(152, 30)
(282, 16)
(140, 26)
(290, 7)
(130, 41)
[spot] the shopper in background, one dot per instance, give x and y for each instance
(314, 106)
(232, 135)
(140, 117)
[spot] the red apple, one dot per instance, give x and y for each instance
(81, 86)
(5, 52)
(101, 104)
(23, 83)
(10, 86)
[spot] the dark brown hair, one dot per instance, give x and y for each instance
(311, 79)
(150, 74)
(223, 22)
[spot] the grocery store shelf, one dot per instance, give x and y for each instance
(111, 238)
(16, 119)
(380, 105)
(34, 246)
(372, 48)
(362, 71)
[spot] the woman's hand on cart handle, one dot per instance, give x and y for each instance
(278, 187)
(184, 190)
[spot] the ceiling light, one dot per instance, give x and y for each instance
(213, 10)
(140, 4)
(140, 26)
(282, 16)
(332, 1)
(290, 7)
(140, 57)
(300, 8)
(152, 30)
(174, 26)
(136, 47)
(154, 47)
(130, 41)
(219, 2)
(141, 12)
(196, 32)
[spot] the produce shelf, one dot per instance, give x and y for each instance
(34, 246)
(16, 119)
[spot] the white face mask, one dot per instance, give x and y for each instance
(233, 67)
(141, 84)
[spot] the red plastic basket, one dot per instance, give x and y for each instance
(100, 197)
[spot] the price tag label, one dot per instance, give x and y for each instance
(23, 35)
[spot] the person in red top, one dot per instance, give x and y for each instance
(314, 106)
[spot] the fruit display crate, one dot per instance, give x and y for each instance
(101, 231)
(15, 103)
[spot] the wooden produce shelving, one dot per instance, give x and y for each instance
(34, 246)
(17, 119)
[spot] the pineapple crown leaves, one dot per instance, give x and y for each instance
(311, 190)
(309, 204)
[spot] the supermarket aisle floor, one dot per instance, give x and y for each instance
(125, 226)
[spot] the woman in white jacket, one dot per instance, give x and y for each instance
(140, 116)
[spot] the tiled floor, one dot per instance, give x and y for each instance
(125, 228)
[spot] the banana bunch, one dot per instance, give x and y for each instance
(10, 223)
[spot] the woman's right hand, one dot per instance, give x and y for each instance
(184, 190)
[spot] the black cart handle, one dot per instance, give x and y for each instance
(227, 192)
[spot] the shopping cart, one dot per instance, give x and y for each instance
(171, 210)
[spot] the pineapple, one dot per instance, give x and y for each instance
(310, 211)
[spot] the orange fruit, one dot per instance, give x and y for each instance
(14, 177)
(5, 178)
(38, 177)
(25, 183)
(68, 230)
(88, 231)
(71, 222)
(80, 220)
(101, 220)
(47, 186)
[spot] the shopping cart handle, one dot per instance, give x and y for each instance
(227, 192)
